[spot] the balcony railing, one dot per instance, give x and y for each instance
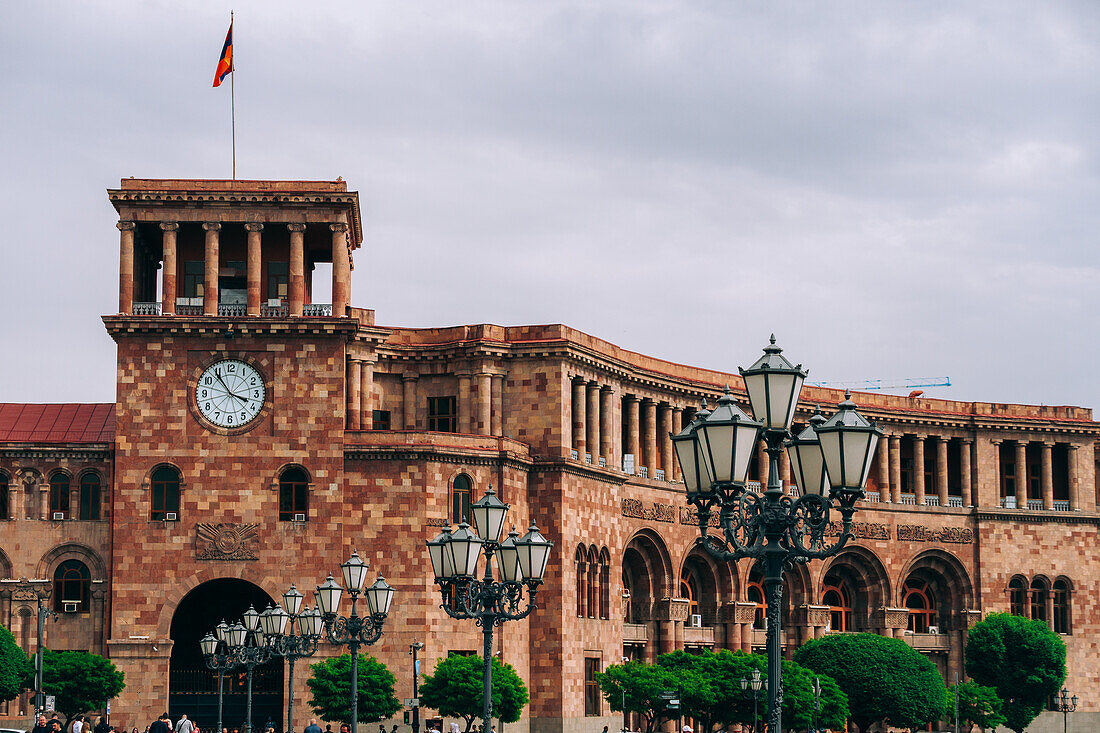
(872, 497)
(931, 501)
(1035, 505)
(1008, 502)
(574, 454)
(587, 457)
(909, 499)
(956, 501)
(1061, 505)
(232, 310)
(188, 310)
(643, 471)
(274, 310)
(660, 474)
(146, 309)
(317, 310)
(635, 633)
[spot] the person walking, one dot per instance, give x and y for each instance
(160, 725)
(313, 727)
(184, 725)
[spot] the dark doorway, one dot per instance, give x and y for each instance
(192, 688)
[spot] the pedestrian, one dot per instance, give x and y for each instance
(39, 725)
(160, 725)
(394, 728)
(78, 724)
(313, 727)
(184, 725)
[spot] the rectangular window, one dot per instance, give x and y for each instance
(907, 475)
(165, 499)
(278, 280)
(443, 414)
(591, 688)
(380, 419)
(293, 500)
(194, 274)
(4, 511)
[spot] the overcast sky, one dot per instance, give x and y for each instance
(896, 189)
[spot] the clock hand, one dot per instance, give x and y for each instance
(228, 391)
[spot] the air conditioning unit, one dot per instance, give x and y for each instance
(58, 516)
(70, 606)
(170, 517)
(933, 629)
(299, 517)
(696, 621)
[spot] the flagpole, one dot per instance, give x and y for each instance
(233, 100)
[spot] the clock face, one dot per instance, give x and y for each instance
(230, 393)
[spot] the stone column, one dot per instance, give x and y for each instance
(664, 428)
(1071, 477)
(606, 395)
(254, 270)
(168, 273)
(43, 501)
(578, 417)
(650, 437)
(210, 278)
(408, 402)
(762, 464)
(465, 408)
(354, 375)
(592, 421)
(895, 468)
(632, 430)
(668, 637)
(883, 458)
(941, 469)
(1046, 475)
(341, 270)
(498, 405)
(296, 291)
(366, 395)
(126, 267)
(1021, 474)
(677, 426)
(918, 468)
(784, 469)
(484, 404)
(965, 470)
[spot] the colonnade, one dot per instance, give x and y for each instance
(1021, 475)
(341, 267)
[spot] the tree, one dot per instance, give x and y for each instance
(457, 689)
(80, 681)
(885, 679)
(330, 685)
(1022, 659)
(978, 705)
(798, 699)
(14, 667)
(640, 689)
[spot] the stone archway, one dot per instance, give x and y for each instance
(192, 688)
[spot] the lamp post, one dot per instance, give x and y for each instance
(278, 629)
(489, 602)
(219, 657)
(1065, 705)
(831, 455)
(751, 689)
(413, 649)
(247, 646)
(353, 630)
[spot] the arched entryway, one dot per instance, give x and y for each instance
(192, 688)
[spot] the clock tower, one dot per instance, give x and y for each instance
(231, 377)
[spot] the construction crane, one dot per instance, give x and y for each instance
(867, 385)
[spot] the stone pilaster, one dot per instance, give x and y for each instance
(170, 268)
(126, 267)
(253, 270)
(211, 272)
(296, 290)
(341, 270)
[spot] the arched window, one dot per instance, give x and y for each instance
(581, 558)
(5, 501)
(293, 495)
(59, 496)
(593, 582)
(89, 496)
(838, 598)
(1039, 599)
(71, 581)
(689, 591)
(605, 584)
(1062, 617)
(460, 499)
(918, 598)
(1017, 596)
(628, 591)
(165, 498)
(754, 593)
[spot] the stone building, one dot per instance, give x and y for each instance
(143, 523)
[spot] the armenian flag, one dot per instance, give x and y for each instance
(225, 61)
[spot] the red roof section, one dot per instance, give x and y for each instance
(67, 423)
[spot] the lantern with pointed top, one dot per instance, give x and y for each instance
(292, 600)
(236, 634)
(508, 558)
(534, 553)
(208, 644)
(848, 442)
(310, 622)
(689, 453)
(221, 631)
(773, 384)
(251, 618)
(328, 596)
(489, 513)
(379, 597)
(440, 555)
(728, 438)
(464, 547)
(807, 462)
(355, 573)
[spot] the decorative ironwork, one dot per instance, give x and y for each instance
(232, 310)
(317, 310)
(145, 309)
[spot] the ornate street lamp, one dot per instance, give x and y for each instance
(1065, 705)
(522, 560)
(279, 633)
(219, 657)
(353, 630)
(751, 688)
(830, 460)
